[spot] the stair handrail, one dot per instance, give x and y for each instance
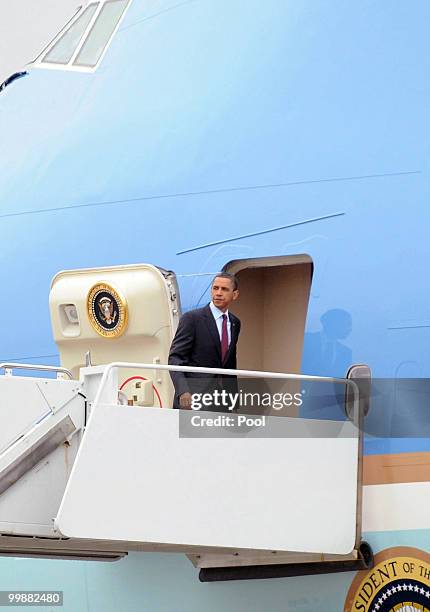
(34, 366)
(230, 372)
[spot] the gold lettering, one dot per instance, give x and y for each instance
(373, 579)
(363, 588)
(384, 573)
(392, 564)
(424, 572)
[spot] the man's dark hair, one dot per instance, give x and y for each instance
(231, 277)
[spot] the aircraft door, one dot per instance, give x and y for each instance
(124, 313)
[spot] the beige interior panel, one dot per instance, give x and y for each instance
(272, 307)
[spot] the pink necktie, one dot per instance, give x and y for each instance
(224, 338)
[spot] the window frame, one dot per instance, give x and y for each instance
(39, 62)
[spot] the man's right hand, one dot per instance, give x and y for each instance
(185, 401)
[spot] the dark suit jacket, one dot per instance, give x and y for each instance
(197, 343)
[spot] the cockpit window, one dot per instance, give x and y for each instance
(100, 33)
(83, 42)
(65, 47)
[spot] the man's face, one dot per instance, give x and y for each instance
(223, 293)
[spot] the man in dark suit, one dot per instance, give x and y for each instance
(207, 337)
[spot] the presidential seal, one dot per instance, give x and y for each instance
(399, 582)
(107, 310)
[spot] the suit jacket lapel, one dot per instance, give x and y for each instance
(213, 329)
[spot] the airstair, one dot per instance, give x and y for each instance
(94, 463)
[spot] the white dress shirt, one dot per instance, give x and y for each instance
(217, 314)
